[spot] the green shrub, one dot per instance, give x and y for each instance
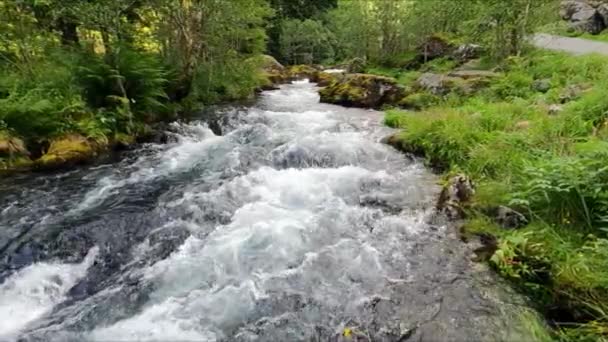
(230, 79)
(566, 190)
(136, 76)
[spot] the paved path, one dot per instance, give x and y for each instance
(577, 46)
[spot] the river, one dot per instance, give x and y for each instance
(295, 224)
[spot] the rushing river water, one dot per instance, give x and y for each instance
(293, 225)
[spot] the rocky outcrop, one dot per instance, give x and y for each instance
(465, 82)
(362, 90)
(585, 15)
(273, 70)
(455, 196)
(66, 151)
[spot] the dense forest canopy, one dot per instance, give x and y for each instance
(102, 67)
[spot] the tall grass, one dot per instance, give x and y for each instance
(553, 168)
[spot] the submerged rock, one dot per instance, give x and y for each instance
(455, 195)
(363, 90)
(68, 150)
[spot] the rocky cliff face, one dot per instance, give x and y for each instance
(585, 15)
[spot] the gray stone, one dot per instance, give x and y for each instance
(555, 109)
(466, 52)
(602, 11)
(585, 15)
(434, 83)
(455, 195)
(508, 218)
(543, 85)
(468, 74)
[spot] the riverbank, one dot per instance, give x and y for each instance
(533, 139)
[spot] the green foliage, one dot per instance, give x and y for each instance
(550, 167)
(137, 77)
(513, 85)
(567, 190)
(394, 118)
(306, 41)
(419, 100)
(229, 79)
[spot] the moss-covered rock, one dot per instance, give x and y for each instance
(68, 150)
(13, 152)
(295, 72)
(324, 79)
(123, 141)
(363, 90)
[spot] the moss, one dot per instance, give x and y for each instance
(67, 150)
(302, 71)
(123, 140)
(362, 90)
(13, 153)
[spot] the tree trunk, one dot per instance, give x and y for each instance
(69, 32)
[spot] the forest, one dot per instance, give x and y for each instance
(528, 126)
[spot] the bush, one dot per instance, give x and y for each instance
(570, 191)
(40, 101)
(135, 76)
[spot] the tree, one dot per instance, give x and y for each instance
(293, 9)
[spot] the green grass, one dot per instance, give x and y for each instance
(561, 28)
(552, 168)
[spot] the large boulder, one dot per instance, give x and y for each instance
(464, 82)
(584, 15)
(301, 71)
(363, 90)
(434, 47)
(66, 151)
(467, 52)
(436, 84)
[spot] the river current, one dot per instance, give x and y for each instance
(294, 224)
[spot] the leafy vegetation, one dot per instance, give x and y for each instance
(551, 167)
(103, 69)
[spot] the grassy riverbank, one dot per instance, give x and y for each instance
(536, 140)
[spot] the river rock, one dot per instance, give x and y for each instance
(362, 90)
(68, 150)
(508, 218)
(455, 196)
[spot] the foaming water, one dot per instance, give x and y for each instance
(35, 290)
(292, 225)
